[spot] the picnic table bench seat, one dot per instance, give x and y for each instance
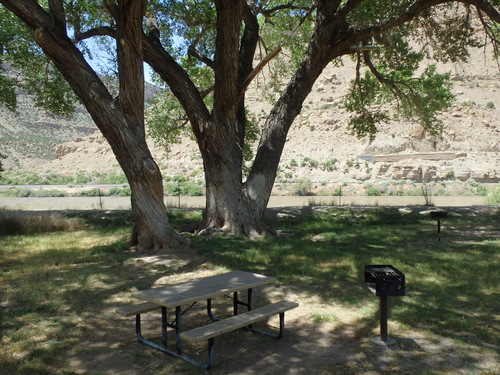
(235, 322)
(246, 319)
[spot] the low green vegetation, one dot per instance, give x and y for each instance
(61, 282)
(77, 185)
(51, 178)
(287, 183)
(494, 197)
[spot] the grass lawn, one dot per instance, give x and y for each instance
(62, 280)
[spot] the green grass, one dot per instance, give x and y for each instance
(60, 287)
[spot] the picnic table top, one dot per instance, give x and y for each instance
(203, 288)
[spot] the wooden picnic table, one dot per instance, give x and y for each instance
(205, 289)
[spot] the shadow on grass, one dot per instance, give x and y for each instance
(58, 303)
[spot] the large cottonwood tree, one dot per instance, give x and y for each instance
(225, 37)
(120, 118)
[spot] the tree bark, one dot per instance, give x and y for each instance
(121, 119)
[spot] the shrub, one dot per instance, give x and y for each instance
(309, 162)
(373, 192)
(120, 191)
(302, 188)
(194, 190)
(47, 193)
(12, 222)
(494, 197)
(82, 178)
(24, 193)
(15, 192)
(112, 178)
(94, 192)
(185, 188)
(472, 182)
(329, 165)
(482, 191)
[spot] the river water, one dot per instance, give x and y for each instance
(123, 203)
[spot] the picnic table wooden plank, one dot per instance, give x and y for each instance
(203, 288)
(237, 321)
(129, 310)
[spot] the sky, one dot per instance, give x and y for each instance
(100, 57)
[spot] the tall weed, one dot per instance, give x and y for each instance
(15, 222)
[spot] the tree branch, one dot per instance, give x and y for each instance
(229, 19)
(130, 60)
(486, 7)
(178, 80)
(192, 51)
(489, 34)
(258, 69)
(417, 8)
(99, 31)
(57, 11)
(389, 83)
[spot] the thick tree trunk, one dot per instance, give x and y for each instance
(151, 232)
(120, 119)
(228, 206)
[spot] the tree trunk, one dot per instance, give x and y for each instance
(151, 232)
(228, 206)
(120, 119)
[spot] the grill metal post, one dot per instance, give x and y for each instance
(383, 318)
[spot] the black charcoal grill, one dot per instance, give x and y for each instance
(384, 281)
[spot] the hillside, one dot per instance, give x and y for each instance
(320, 146)
(29, 136)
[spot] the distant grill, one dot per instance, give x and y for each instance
(385, 280)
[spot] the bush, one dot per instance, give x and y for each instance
(195, 190)
(82, 179)
(494, 197)
(329, 165)
(184, 188)
(302, 188)
(373, 192)
(482, 191)
(120, 191)
(24, 193)
(94, 192)
(47, 193)
(112, 178)
(12, 223)
(15, 192)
